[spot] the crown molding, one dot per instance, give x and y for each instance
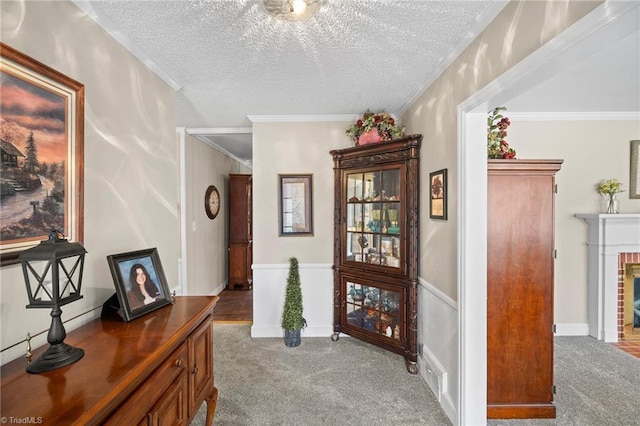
(300, 118)
(203, 139)
(218, 130)
(112, 30)
(605, 24)
(575, 116)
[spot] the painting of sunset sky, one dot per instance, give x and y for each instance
(34, 142)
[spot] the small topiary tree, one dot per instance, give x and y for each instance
(292, 319)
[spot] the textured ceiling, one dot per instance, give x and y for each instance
(229, 59)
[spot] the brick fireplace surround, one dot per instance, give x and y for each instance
(612, 241)
(623, 259)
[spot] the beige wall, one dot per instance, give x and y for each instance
(592, 151)
(520, 29)
(447, 325)
(130, 176)
(207, 256)
(131, 190)
(291, 148)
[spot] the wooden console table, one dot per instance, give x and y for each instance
(155, 369)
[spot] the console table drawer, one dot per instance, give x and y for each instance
(140, 403)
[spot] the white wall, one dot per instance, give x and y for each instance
(130, 164)
(592, 151)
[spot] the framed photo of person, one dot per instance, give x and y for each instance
(438, 194)
(140, 282)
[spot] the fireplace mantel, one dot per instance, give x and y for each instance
(608, 236)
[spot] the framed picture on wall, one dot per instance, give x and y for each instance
(42, 139)
(634, 178)
(438, 194)
(140, 282)
(296, 205)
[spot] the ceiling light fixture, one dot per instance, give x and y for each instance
(292, 10)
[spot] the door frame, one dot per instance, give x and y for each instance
(597, 30)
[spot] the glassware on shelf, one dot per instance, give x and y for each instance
(393, 218)
(374, 309)
(356, 293)
(373, 294)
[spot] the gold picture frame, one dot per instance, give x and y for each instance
(42, 141)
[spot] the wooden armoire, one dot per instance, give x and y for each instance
(240, 232)
(520, 264)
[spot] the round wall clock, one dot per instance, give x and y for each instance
(212, 202)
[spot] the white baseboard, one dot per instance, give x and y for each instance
(448, 407)
(216, 291)
(572, 329)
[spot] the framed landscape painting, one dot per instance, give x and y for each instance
(42, 149)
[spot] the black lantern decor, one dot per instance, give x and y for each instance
(57, 283)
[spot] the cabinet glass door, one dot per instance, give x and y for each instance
(374, 309)
(373, 214)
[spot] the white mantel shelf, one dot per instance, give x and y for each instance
(608, 235)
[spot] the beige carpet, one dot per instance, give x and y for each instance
(348, 382)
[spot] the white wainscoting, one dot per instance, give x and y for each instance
(438, 345)
(269, 288)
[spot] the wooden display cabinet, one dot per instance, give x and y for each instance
(376, 245)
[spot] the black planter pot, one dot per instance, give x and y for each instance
(292, 338)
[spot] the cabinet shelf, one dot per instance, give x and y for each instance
(376, 244)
